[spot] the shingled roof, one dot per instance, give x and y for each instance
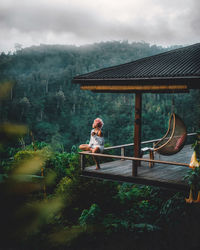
(178, 66)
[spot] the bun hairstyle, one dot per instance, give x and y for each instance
(99, 123)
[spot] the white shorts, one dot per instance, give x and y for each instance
(101, 148)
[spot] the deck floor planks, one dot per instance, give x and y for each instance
(159, 173)
(113, 167)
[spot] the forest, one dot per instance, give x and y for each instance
(45, 203)
(57, 112)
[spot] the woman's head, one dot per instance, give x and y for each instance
(98, 123)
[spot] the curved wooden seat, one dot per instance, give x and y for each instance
(172, 142)
(174, 139)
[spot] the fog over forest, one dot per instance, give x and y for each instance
(58, 112)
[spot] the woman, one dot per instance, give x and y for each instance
(96, 144)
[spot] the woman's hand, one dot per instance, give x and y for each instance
(99, 133)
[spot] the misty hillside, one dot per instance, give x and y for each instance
(57, 112)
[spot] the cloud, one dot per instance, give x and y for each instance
(41, 18)
(78, 22)
(194, 17)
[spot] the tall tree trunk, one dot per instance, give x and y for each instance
(47, 86)
(41, 115)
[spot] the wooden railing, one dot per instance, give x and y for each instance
(133, 159)
(123, 146)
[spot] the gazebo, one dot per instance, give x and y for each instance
(175, 71)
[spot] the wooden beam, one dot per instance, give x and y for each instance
(134, 87)
(137, 180)
(134, 159)
(137, 131)
(144, 91)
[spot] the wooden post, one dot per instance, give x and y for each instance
(151, 156)
(82, 162)
(122, 152)
(137, 131)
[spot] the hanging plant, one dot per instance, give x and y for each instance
(193, 176)
(196, 146)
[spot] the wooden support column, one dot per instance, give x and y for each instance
(82, 162)
(137, 131)
(122, 152)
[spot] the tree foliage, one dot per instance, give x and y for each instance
(58, 112)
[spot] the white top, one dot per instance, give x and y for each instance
(95, 140)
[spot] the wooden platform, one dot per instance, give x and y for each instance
(166, 176)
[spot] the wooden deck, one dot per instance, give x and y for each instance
(166, 176)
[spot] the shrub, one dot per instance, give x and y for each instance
(90, 216)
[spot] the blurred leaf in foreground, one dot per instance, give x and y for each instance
(5, 89)
(10, 133)
(23, 210)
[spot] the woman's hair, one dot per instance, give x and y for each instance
(99, 122)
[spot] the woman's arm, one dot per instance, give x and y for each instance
(100, 133)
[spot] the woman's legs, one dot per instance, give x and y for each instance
(96, 150)
(85, 147)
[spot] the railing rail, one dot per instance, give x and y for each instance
(132, 144)
(133, 159)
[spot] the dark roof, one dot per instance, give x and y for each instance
(181, 63)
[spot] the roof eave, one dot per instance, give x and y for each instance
(191, 81)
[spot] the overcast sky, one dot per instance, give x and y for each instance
(161, 22)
